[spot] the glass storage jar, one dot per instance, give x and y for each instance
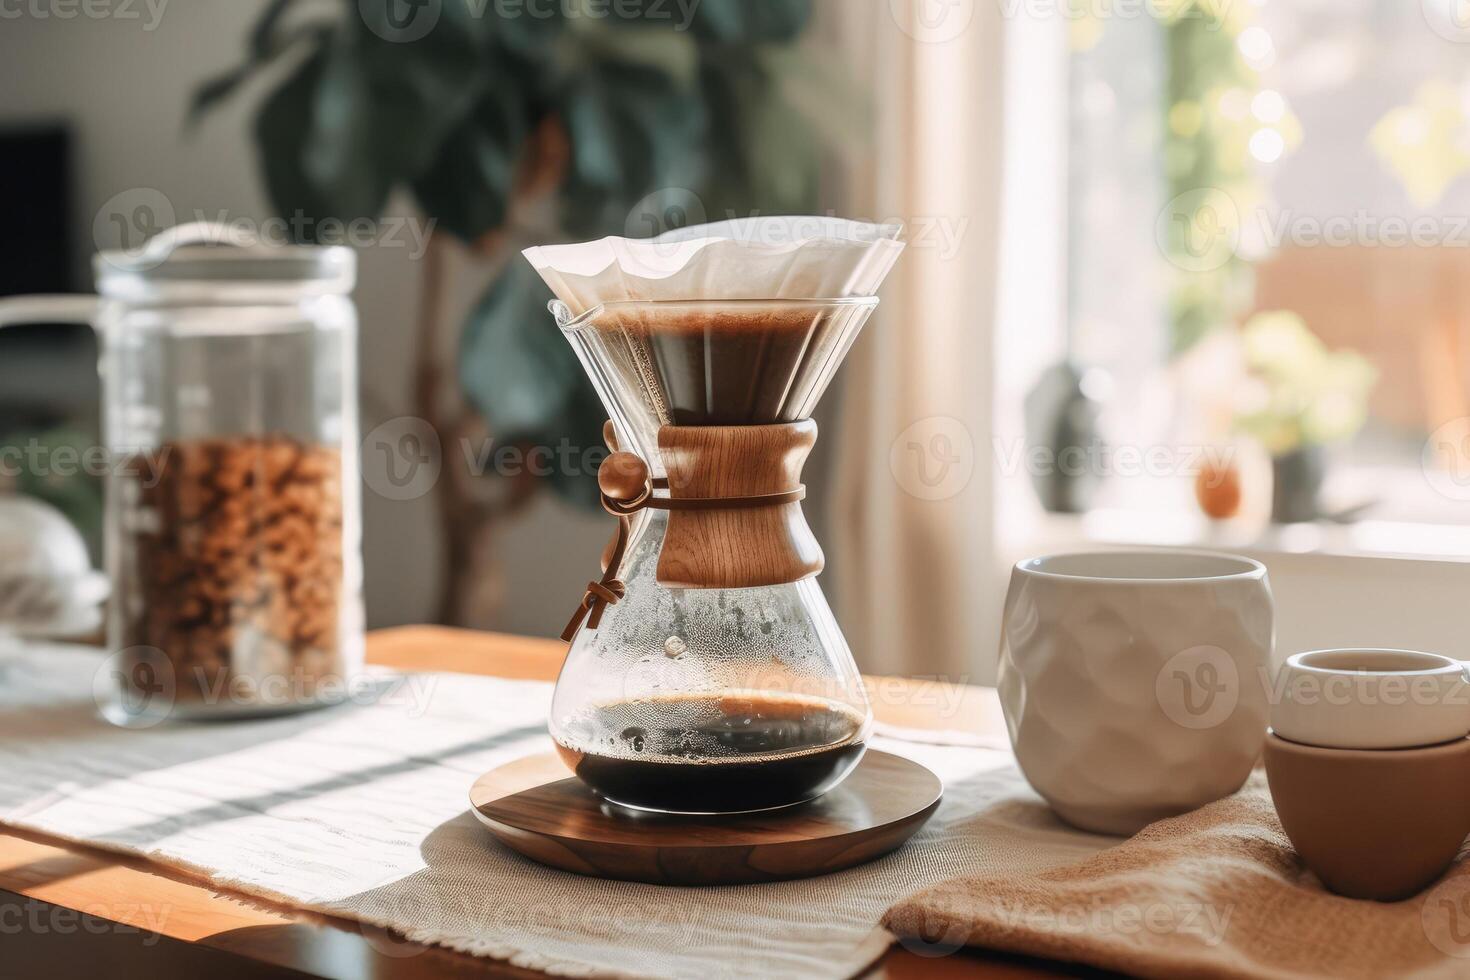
(232, 524)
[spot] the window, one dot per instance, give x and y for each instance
(1268, 243)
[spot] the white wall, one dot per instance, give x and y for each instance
(1328, 601)
(125, 90)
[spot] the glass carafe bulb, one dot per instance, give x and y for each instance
(709, 700)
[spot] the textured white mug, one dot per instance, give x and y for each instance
(1133, 683)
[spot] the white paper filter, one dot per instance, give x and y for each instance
(750, 258)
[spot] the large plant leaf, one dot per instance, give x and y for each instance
(408, 25)
(268, 41)
(519, 371)
(531, 38)
(671, 53)
(359, 116)
(341, 152)
(212, 91)
(281, 129)
(720, 21)
(751, 21)
(746, 177)
(264, 36)
(468, 185)
(632, 132)
(381, 111)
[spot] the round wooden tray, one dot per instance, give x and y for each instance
(535, 807)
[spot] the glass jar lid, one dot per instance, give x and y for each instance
(214, 263)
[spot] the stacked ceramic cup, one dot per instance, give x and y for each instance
(1369, 766)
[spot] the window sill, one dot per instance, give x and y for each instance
(1175, 522)
(1360, 539)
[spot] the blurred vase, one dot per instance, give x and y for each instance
(1297, 480)
(1062, 417)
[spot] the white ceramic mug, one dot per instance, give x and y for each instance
(1133, 682)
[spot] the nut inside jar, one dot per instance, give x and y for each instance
(234, 569)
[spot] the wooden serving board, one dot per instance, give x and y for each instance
(535, 807)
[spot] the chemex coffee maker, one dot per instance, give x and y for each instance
(707, 674)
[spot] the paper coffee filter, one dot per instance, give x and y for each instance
(799, 257)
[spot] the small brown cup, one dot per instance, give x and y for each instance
(1381, 824)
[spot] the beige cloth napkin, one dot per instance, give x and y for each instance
(1214, 893)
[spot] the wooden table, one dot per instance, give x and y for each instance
(65, 909)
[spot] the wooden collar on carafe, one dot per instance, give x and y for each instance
(735, 519)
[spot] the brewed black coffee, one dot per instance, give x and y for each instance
(714, 754)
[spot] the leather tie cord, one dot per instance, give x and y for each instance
(609, 590)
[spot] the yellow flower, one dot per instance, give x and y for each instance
(1311, 394)
(1424, 143)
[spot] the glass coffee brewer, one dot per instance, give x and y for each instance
(706, 672)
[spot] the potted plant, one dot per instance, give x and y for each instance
(518, 124)
(1300, 398)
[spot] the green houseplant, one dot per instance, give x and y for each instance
(510, 123)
